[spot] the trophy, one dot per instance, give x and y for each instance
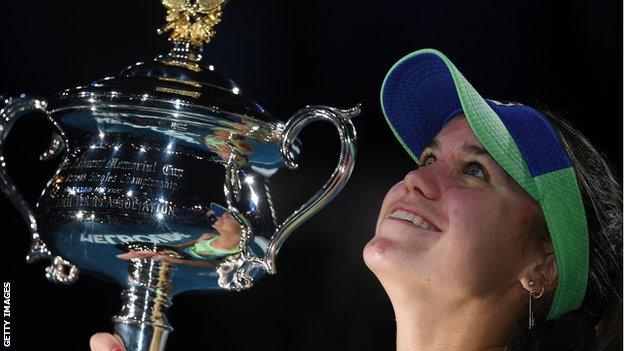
(163, 186)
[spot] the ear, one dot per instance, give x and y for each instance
(543, 272)
(549, 272)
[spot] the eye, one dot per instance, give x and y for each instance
(424, 160)
(475, 169)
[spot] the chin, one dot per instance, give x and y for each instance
(382, 256)
(378, 254)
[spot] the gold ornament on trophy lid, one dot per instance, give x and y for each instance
(192, 21)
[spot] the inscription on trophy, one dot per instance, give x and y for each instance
(112, 239)
(112, 178)
(120, 203)
(102, 183)
(116, 163)
(155, 175)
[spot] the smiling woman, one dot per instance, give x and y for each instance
(508, 235)
(475, 261)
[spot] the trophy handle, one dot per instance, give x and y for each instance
(235, 272)
(341, 119)
(60, 271)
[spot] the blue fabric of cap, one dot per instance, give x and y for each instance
(217, 209)
(420, 97)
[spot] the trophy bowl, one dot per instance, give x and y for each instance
(163, 186)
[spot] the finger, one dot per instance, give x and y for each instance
(106, 342)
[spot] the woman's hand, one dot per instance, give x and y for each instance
(106, 342)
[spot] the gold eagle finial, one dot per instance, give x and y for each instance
(192, 20)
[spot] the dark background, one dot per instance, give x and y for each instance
(566, 55)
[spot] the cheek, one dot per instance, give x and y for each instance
(233, 227)
(482, 245)
(470, 211)
(484, 217)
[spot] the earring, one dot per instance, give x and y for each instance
(533, 295)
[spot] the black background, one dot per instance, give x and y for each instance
(566, 55)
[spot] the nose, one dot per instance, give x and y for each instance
(429, 181)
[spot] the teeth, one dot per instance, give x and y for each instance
(407, 216)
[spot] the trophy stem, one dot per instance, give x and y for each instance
(183, 50)
(183, 54)
(141, 323)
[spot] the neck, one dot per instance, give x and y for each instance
(429, 323)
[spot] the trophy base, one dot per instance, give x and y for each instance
(141, 322)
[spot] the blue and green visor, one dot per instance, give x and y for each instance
(424, 90)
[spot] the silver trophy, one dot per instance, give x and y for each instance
(163, 185)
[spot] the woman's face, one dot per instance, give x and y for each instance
(227, 226)
(476, 241)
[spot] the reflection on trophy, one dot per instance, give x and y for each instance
(163, 183)
(209, 247)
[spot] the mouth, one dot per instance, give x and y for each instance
(410, 216)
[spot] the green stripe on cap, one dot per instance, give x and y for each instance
(563, 210)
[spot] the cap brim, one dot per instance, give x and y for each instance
(217, 209)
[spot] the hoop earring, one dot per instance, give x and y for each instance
(533, 295)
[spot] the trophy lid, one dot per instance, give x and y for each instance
(178, 77)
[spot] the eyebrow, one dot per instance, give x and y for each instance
(434, 144)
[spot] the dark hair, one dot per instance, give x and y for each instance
(597, 324)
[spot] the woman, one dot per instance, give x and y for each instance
(508, 234)
(207, 250)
